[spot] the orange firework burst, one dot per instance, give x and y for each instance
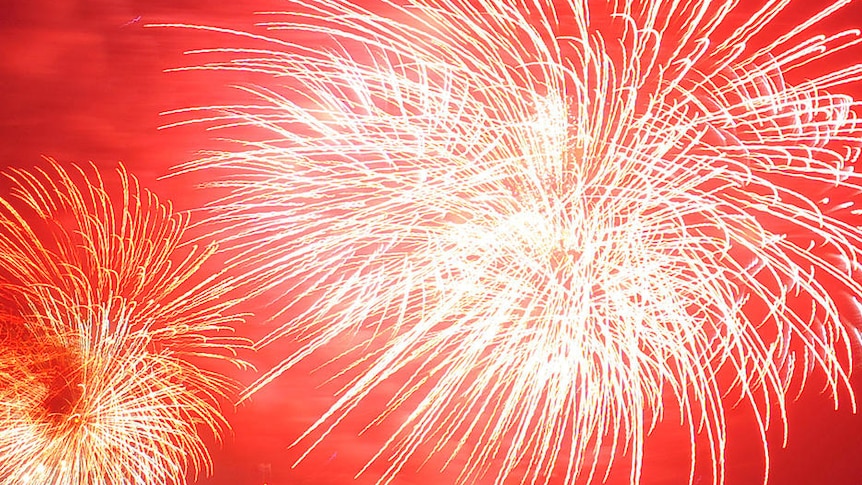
(546, 220)
(105, 315)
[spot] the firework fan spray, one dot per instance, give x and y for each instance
(543, 223)
(106, 319)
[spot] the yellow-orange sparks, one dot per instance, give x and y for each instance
(106, 320)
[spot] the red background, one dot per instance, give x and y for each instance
(83, 81)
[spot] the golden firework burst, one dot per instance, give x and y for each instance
(107, 321)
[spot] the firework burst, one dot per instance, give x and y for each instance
(106, 319)
(544, 222)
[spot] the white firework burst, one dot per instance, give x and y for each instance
(545, 221)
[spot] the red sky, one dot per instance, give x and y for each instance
(83, 81)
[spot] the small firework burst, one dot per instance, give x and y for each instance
(545, 221)
(106, 320)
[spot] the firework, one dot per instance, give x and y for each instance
(543, 223)
(105, 320)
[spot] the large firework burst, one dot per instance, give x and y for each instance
(106, 320)
(545, 221)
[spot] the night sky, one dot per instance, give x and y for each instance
(84, 81)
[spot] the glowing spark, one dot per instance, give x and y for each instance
(102, 310)
(546, 222)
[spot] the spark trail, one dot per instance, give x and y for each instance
(544, 223)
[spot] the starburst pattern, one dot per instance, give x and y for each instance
(544, 222)
(107, 319)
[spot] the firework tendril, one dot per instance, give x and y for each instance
(106, 319)
(545, 223)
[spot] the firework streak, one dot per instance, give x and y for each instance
(104, 314)
(543, 224)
